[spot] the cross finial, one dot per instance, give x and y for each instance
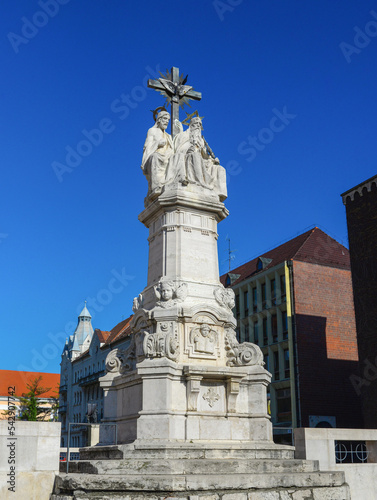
(173, 88)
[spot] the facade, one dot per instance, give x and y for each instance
(361, 211)
(83, 363)
(14, 383)
(295, 302)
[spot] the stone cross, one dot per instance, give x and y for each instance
(174, 88)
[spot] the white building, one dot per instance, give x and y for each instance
(83, 363)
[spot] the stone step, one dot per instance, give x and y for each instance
(323, 493)
(184, 451)
(198, 482)
(191, 466)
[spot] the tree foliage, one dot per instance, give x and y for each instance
(32, 408)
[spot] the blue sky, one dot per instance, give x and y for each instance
(75, 236)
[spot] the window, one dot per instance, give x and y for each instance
(265, 336)
(256, 333)
(276, 365)
(237, 306)
(286, 363)
(263, 289)
(274, 328)
(282, 288)
(267, 362)
(283, 403)
(284, 318)
(246, 302)
(255, 300)
(273, 292)
(238, 333)
(247, 334)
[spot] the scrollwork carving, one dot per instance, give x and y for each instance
(121, 360)
(245, 354)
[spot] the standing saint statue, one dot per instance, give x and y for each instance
(158, 149)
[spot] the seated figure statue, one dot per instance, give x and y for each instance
(157, 151)
(194, 162)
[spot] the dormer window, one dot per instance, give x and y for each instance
(262, 263)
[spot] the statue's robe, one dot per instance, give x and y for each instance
(156, 159)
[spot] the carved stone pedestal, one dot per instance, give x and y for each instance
(185, 377)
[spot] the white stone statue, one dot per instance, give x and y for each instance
(194, 162)
(158, 149)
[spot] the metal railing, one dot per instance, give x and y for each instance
(351, 452)
(87, 425)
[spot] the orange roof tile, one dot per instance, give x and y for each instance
(119, 331)
(19, 380)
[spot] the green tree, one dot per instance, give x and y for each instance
(31, 407)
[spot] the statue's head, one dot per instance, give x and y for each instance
(196, 123)
(166, 290)
(162, 120)
(204, 329)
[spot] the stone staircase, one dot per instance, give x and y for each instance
(252, 471)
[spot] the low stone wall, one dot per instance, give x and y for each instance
(319, 444)
(29, 459)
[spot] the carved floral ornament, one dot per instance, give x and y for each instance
(225, 297)
(211, 396)
(137, 303)
(163, 343)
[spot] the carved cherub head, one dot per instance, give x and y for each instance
(168, 293)
(166, 290)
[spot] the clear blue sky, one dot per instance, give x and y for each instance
(66, 71)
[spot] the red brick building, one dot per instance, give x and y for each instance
(361, 210)
(296, 303)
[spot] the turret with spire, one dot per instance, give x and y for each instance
(80, 340)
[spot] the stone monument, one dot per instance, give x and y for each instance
(189, 401)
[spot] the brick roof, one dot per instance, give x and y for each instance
(119, 332)
(314, 246)
(102, 335)
(19, 380)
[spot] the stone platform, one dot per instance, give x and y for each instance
(227, 471)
